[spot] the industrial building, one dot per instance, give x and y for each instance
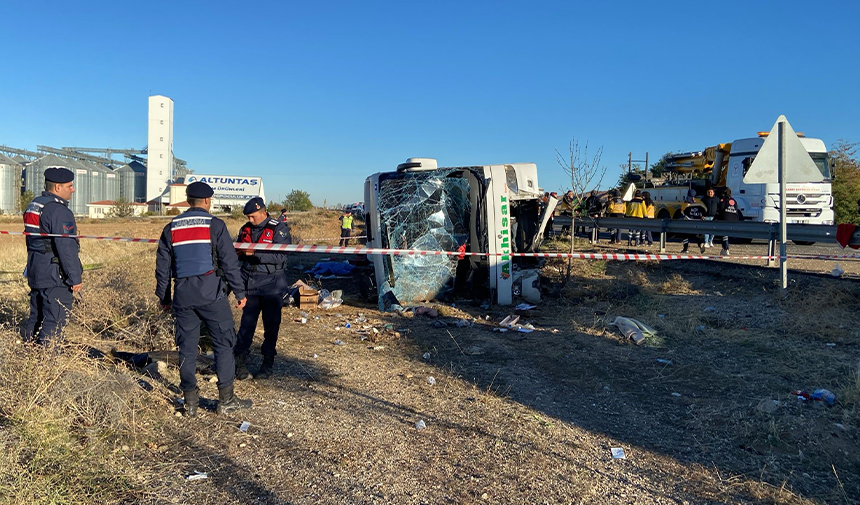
(99, 177)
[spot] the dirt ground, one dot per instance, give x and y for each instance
(702, 410)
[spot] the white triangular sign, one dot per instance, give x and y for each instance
(628, 193)
(799, 167)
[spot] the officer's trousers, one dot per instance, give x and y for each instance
(48, 310)
(219, 322)
(345, 233)
(270, 306)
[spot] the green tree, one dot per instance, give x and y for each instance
(26, 198)
(298, 200)
(846, 181)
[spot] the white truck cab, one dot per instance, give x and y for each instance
(807, 203)
(493, 209)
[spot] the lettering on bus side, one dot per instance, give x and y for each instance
(504, 236)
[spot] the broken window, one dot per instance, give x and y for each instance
(428, 211)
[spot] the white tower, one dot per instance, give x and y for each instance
(159, 159)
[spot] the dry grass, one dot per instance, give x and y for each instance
(64, 422)
(518, 418)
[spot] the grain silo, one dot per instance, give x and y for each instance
(10, 185)
(111, 185)
(126, 183)
(34, 173)
(83, 187)
(98, 181)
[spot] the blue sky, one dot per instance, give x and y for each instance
(318, 95)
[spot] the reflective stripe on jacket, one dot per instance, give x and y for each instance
(192, 243)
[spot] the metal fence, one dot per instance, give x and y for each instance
(798, 233)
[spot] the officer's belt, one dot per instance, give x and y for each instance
(262, 267)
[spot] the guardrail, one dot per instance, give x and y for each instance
(737, 229)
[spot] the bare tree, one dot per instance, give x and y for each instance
(585, 174)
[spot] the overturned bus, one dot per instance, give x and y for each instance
(492, 209)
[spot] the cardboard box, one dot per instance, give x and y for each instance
(308, 298)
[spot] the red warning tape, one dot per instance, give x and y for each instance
(328, 249)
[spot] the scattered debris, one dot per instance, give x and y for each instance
(767, 405)
(838, 271)
(661, 315)
(633, 329)
(197, 476)
(710, 309)
(618, 453)
(426, 355)
(463, 323)
(425, 311)
(819, 395)
(830, 344)
(244, 426)
(701, 327)
(663, 361)
(675, 394)
(524, 306)
(420, 425)
(378, 348)
(431, 380)
(339, 342)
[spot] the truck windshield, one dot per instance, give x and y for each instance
(822, 161)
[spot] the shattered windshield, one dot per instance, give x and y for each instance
(423, 211)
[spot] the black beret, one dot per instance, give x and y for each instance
(253, 205)
(59, 174)
(199, 190)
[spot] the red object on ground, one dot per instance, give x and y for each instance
(844, 233)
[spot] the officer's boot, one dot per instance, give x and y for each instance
(229, 403)
(242, 372)
(192, 400)
(266, 368)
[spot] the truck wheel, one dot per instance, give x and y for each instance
(802, 242)
(679, 215)
(664, 214)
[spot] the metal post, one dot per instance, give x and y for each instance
(647, 172)
(783, 266)
(662, 242)
(771, 251)
(629, 161)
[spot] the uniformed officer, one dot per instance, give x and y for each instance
(53, 266)
(195, 249)
(265, 286)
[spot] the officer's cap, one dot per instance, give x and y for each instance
(59, 174)
(253, 205)
(199, 190)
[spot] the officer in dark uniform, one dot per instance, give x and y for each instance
(195, 249)
(265, 286)
(53, 266)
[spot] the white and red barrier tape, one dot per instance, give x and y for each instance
(327, 249)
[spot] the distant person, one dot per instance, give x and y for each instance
(728, 211)
(594, 209)
(283, 217)
(345, 227)
(634, 208)
(648, 207)
(265, 286)
(617, 208)
(712, 206)
(692, 212)
(197, 255)
(53, 264)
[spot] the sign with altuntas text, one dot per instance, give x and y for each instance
(230, 187)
